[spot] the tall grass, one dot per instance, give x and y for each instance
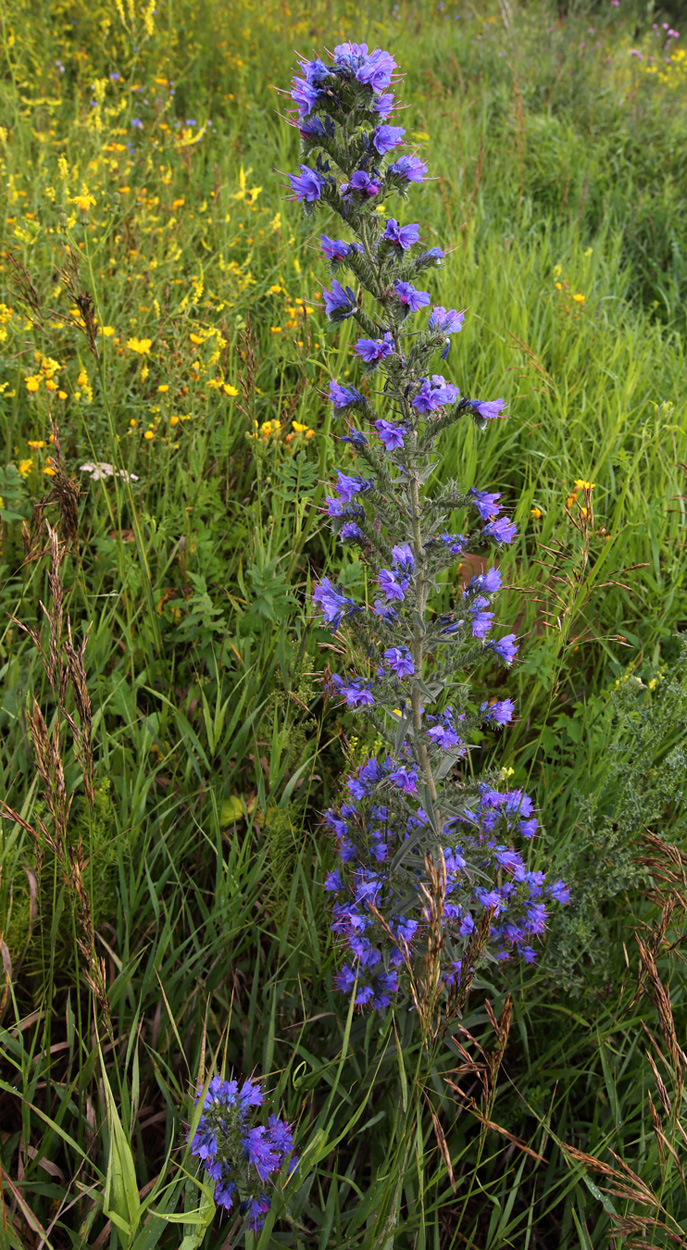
(215, 748)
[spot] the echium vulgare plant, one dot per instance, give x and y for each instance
(238, 1154)
(429, 879)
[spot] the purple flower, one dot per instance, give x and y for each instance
(360, 182)
(344, 396)
(481, 620)
(307, 185)
(333, 604)
(487, 505)
(334, 249)
(433, 256)
(405, 779)
(401, 236)
(256, 1210)
(305, 95)
(349, 55)
(333, 882)
(357, 693)
(393, 588)
(372, 350)
(280, 1134)
(224, 1194)
(351, 531)
(387, 137)
(486, 583)
(383, 105)
(505, 648)
(403, 557)
(390, 435)
(559, 891)
(500, 711)
(434, 393)
(444, 736)
(339, 303)
(347, 487)
(501, 530)
(410, 297)
(488, 409)
(400, 660)
(257, 1150)
(454, 542)
(384, 611)
(445, 320)
(411, 168)
(376, 70)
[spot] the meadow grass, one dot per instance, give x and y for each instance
(180, 924)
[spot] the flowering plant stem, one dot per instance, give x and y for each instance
(428, 881)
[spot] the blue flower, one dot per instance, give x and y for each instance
(393, 587)
(454, 542)
(307, 185)
(357, 693)
(347, 487)
(402, 237)
(350, 531)
(390, 435)
(434, 393)
(410, 297)
(445, 320)
(505, 648)
(484, 583)
(488, 409)
(333, 604)
(224, 1193)
(411, 168)
(344, 396)
(376, 70)
(501, 530)
(372, 350)
(487, 505)
(400, 660)
(362, 183)
(256, 1210)
(339, 303)
(500, 711)
(403, 557)
(383, 105)
(387, 137)
(334, 249)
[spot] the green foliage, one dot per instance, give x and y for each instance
(215, 748)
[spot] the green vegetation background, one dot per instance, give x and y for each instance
(149, 140)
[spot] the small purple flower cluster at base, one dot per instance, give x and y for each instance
(238, 1155)
(379, 912)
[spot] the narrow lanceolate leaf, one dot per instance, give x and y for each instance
(121, 1202)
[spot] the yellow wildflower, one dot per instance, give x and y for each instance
(149, 434)
(25, 467)
(49, 470)
(536, 513)
(579, 299)
(299, 427)
(142, 346)
(84, 201)
(229, 390)
(275, 329)
(107, 331)
(163, 389)
(36, 443)
(580, 484)
(33, 382)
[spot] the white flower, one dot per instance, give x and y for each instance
(100, 470)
